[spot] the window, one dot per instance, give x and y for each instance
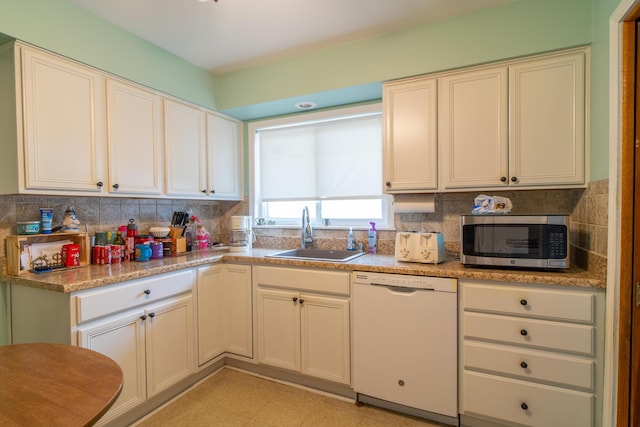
(329, 161)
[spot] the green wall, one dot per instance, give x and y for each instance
(346, 73)
(521, 28)
(70, 31)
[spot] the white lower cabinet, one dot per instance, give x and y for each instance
(224, 311)
(153, 346)
(147, 326)
(153, 342)
(303, 321)
(530, 355)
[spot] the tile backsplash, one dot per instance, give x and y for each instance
(588, 209)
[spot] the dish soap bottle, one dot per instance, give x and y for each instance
(351, 242)
(373, 238)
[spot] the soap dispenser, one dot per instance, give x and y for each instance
(351, 242)
(373, 238)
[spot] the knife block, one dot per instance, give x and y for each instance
(178, 243)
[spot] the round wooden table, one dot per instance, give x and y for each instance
(55, 385)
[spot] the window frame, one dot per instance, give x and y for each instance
(301, 119)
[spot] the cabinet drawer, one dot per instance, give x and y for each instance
(111, 299)
(504, 398)
(305, 280)
(573, 305)
(530, 332)
(529, 364)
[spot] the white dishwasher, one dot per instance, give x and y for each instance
(405, 333)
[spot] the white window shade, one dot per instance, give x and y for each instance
(333, 159)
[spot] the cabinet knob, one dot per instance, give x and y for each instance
(147, 291)
(503, 178)
(401, 383)
(152, 315)
(99, 184)
(213, 191)
(301, 301)
(388, 184)
(204, 191)
(116, 186)
(143, 317)
(524, 406)
(524, 365)
(295, 299)
(523, 332)
(523, 302)
(514, 179)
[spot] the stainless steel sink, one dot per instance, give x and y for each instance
(318, 254)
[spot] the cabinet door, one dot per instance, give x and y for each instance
(170, 343)
(64, 131)
(325, 338)
(184, 150)
(210, 284)
(473, 129)
(278, 328)
(122, 339)
(134, 123)
(224, 158)
(237, 330)
(547, 113)
(410, 136)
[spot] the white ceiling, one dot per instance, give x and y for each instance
(231, 34)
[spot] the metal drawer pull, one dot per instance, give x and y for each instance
(147, 291)
(524, 406)
(523, 332)
(524, 365)
(523, 302)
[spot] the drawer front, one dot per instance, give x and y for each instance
(530, 364)
(113, 298)
(530, 332)
(323, 281)
(525, 403)
(573, 305)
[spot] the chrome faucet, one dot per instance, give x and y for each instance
(307, 231)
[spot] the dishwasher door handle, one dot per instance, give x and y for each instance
(402, 289)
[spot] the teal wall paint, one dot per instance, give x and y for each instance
(336, 75)
(70, 31)
(521, 28)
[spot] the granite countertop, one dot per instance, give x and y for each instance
(92, 276)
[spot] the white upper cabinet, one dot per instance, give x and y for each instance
(516, 124)
(224, 157)
(63, 124)
(72, 129)
(134, 123)
(547, 120)
(410, 136)
(185, 150)
(473, 128)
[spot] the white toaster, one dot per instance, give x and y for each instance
(424, 247)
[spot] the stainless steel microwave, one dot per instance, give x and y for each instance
(525, 241)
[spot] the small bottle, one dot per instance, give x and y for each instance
(119, 240)
(373, 238)
(351, 242)
(132, 232)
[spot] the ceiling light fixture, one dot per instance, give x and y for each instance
(306, 105)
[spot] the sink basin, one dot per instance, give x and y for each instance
(318, 254)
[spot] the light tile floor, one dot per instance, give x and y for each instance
(234, 398)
